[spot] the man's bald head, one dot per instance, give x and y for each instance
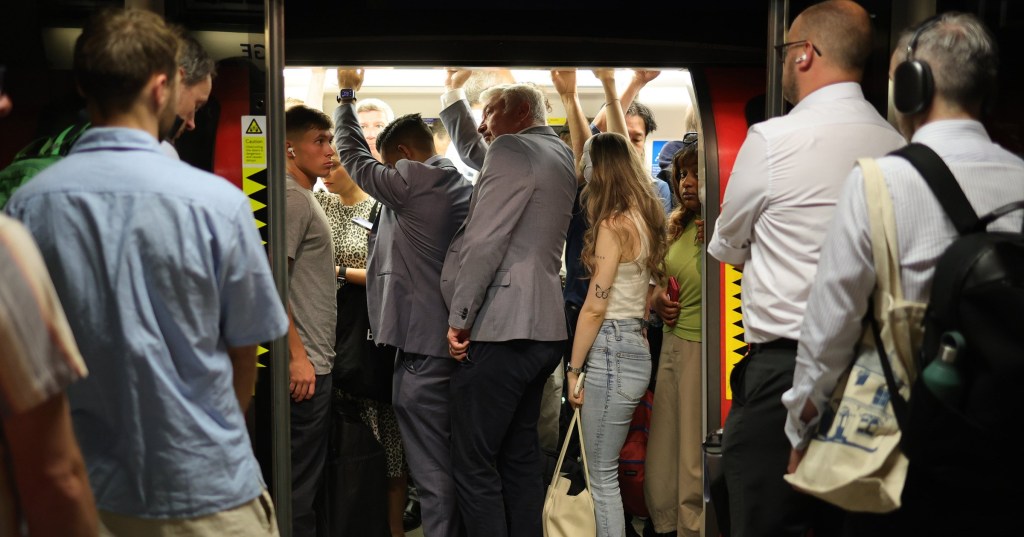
(841, 30)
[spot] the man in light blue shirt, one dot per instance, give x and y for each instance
(168, 291)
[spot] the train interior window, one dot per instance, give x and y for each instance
(670, 96)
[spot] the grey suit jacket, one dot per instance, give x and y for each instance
(501, 274)
(423, 206)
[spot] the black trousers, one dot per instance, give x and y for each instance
(496, 395)
(755, 453)
(309, 432)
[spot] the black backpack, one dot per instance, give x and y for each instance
(977, 293)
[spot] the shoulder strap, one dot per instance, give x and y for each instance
(575, 425)
(66, 139)
(53, 146)
(882, 219)
(899, 404)
(375, 213)
(886, 253)
(935, 172)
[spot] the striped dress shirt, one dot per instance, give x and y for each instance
(990, 177)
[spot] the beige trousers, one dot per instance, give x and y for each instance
(673, 473)
(255, 518)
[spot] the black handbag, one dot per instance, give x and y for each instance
(361, 367)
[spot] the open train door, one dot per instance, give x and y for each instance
(722, 48)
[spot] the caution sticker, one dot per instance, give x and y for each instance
(254, 127)
(254, 183)
(254, 142)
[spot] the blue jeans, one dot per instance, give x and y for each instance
(618, 370)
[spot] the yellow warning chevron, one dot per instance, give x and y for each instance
(249, 186)
(733, 346)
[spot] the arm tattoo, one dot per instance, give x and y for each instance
(601, 292)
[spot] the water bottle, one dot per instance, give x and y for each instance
(941, 375)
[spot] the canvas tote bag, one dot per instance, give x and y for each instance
(854, 461)
(565, 515)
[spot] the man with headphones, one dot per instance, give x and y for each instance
(777, 206)
(943, 73)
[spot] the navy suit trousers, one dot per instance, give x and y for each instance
(496, 396)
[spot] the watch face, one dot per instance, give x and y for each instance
(347, 93)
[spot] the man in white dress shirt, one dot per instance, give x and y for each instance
(777, 206)
(963, 60)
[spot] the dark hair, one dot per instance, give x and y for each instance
(681, 216)
(641, 110)
(300, 119)
(118, 53)
(195, 61)
(407, 130)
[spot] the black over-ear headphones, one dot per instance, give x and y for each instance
(913, 84)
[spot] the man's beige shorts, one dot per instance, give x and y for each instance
(256, 518)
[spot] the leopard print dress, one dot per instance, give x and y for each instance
(350, 250)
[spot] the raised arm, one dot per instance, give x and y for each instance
(613, 110)
(640, 79)
(458, 120)
(565, 83)
(382, 183)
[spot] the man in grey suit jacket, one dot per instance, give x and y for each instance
(501, 284)
(425, 200)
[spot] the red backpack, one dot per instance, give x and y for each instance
(632, 458)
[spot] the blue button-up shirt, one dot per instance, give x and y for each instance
(160, 269)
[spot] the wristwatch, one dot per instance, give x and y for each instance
(346, 95)
(571, 369)
(342, 280)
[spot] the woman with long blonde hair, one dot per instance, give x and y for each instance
(623, 250)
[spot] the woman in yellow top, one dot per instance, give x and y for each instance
(673, 485)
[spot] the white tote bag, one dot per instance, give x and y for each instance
(855, 461)
(565, 515)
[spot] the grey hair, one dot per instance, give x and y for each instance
(962, 55)
(516, 94)
(477, 83)
(369, 105)
(195, 61)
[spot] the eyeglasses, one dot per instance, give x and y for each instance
(780, 50)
